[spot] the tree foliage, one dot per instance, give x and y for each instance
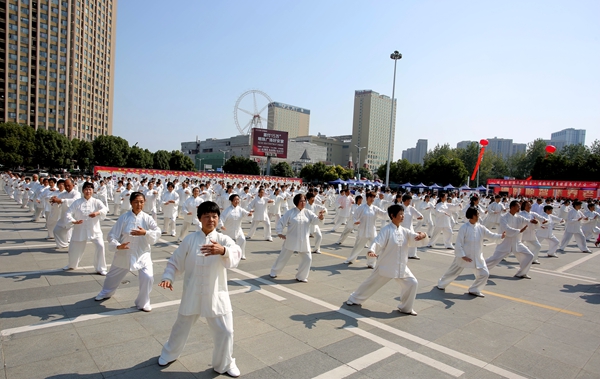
(110, 151)
(241, 165)
(161, 160)
(53, 150)
(140, 158)
(282, 169)
(83, 154)
(17, 144)
(181, 162)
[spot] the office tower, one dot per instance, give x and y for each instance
(416, 154)
(371, 127)
(57, 65)
(567, 137)
(289, 118)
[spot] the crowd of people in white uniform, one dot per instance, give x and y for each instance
(389, 226)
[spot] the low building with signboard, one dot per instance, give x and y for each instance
(546, 188)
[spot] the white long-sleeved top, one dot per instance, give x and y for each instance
(124, 197)
(204, 277)
(150, 203)
(68, 198)
(530, 233)
(191, 206)
(344, 205)
(259, 208)
(367, 215)
(442, 213)
(469, 243)
(494, 212)
(101, 192)
(80, 210)
(231, 219)
(391, 244)
(170, 210)
(298, 223)
(546, 230)
(512, 225)
(55, 209)
(316, 209)
(138, 254)
(410, 215)
(46, 195)
(573, 224)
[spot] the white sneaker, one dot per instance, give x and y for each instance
(162, 362)
(147, 308)
(102, 273)
(100, 298)
(67, 268)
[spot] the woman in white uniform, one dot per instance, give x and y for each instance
(298, 221)
(170, 203)
(469, 253)
(231, 222)
(443, 222)
(190, 209)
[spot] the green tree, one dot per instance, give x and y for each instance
(316, 172)
(241, 165)
(83, 154)
(344, 173)
(110, 151)
(17, 144)
(438, 151)
(469, 156)
(403, 171)
(161, 160)
(282, 169)
(53, 150)
(181, 162)
(443, 170)
(364, 173)
(140, 158)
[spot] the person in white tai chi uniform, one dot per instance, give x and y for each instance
(545, 232)
(204, 257)
(391, 243)
(231, 222)
(512, 225)
(64, 228)
(298, 221)
(469, 253)
(85, 215)
(170, 203)
(574, 219)
(131, 238)
(259, 206)
(315, 229)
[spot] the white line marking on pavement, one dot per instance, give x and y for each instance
(25, 273)
(577, 262)
(357, 364)
(22, 246)
(259, 290)
(411, 337)
(566, 273)
(565, 276)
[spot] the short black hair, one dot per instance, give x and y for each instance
(406, 197)
(136, 194)
(297, 198)
(310, 195)
(87, 185)
(208, 207)
(471, 211)
(394, 209)
(232, 197)
(548, 208)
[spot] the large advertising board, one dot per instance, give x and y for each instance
(269, 143)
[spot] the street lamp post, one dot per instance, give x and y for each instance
(395, 56)
(223, 151)
(358, 162)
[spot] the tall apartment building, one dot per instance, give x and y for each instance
(371, 127)
(501, 146)
(416, 154)
(289, 118)
(57, 65)
(567, 137)
(464, 144)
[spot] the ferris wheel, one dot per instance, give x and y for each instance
(250, 111)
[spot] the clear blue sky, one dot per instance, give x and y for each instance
(470, 69)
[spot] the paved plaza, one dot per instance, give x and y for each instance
(51, 327)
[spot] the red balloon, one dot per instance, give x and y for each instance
(550, 149)
(484, 142)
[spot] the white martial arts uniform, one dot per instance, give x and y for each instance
(410, 215)
(574, 220)
(367, 216)
(529, 236)
(344, 208)
(89, 230)
(150, 203)
(469, 243)
(190, 206)
(391, 245)
(512, 225)
(315, 229)
(259, 207)
(298, 223)
(545, 232)
(443, 224)
(170, 211)
(136, 258)
(495, 211)
(231, 223)
(205, 294)
(64, 228)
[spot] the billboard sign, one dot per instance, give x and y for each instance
(269, 143)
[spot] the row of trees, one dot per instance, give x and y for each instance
(445, 165)
(22, 146)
